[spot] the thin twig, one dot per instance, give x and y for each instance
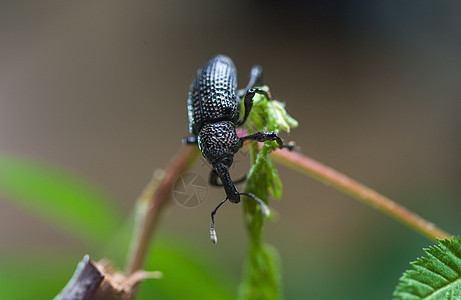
(341, 182)
(156, 195)
(153, 200)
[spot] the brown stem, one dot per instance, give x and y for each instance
(152, 201)
(156, 195)
(99, 281)
(341, 182)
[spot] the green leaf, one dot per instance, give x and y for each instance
(437, 276)
(262, 275)
(63, 199)
(262, 279)
(275, 185)
(25, 275)
(268, 115)
(186, 275)
(187, 272)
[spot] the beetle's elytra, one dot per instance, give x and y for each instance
(214, 113)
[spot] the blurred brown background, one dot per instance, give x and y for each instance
(99, 88)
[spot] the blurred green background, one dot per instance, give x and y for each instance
(96, 92)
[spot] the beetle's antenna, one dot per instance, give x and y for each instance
(265, 209)
(213, 236)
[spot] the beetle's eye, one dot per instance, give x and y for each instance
(227, 161)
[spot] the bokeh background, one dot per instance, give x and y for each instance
(98, 89)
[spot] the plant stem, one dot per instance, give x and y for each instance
(261, 275)
(151, 203)
(341, 182)
(157, 192)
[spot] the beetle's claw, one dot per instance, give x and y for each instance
(291, 146)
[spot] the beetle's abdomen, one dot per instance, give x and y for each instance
(217, 140)
(213, 94)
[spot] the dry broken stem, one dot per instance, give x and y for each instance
(99, 281)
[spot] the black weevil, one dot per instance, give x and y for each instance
(214, 113)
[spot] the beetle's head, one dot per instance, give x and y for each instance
(223, 164)
(218, 143)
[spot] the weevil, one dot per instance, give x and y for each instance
(214, 113)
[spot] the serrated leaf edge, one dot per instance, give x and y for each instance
(444, 247)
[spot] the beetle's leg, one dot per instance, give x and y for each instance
(248, 102)
(262, 136)
(189, 140)
(256, 75)
(214, 179)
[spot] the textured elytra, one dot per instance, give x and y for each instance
(213, 94)
(218, 140)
